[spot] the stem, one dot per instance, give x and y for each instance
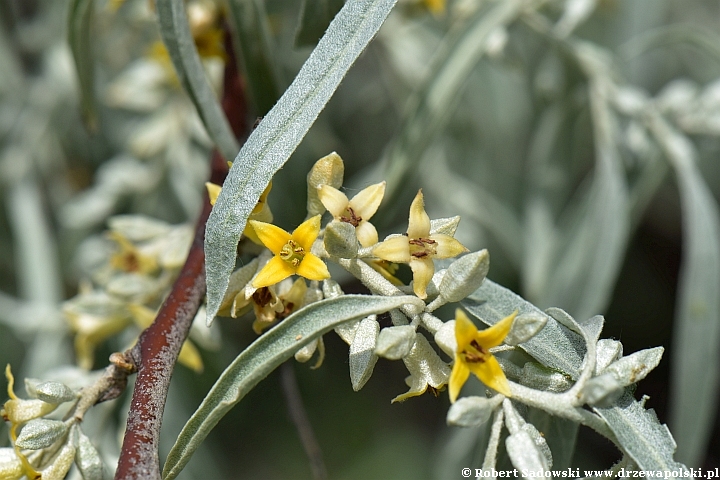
(302, 422)
(157, 349)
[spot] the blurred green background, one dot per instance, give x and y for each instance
(509, 142)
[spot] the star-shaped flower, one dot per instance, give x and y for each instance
(473, 354)
(357, 211)
(292, 253)
(419, 247)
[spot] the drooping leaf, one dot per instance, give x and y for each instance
(249, 21)
(78, 30)
(695, 375)
(276, 137)
(266, 354)
(180, 44)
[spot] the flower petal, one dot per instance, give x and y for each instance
(419, 223)
(490, 373)
(423, 270)
(213, 191)
(396, 249)
(262, 202)
(307, 232)
(465, 330)
(273, 272)
(190, 357)
(273, 237)
(458, 377)
(367, 201)
(494, 336)
(447, 246)
(296, 293)
(313, 268)
(366, 234)
(333, 199)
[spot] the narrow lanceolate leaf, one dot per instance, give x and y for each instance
(249, 22)
(266, 354)
(432, 106)
(589, 263)
(641, 435)
(696, 373)
(555, 346)
(280, 132)
(79, 20)
(175, 32)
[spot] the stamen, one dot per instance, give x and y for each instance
(292, 253)
(353, 218)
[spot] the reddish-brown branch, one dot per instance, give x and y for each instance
(158, 347)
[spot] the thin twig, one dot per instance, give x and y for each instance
(302, 422)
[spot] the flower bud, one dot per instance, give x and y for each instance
(524, 452)
(539, 377)
(58, 469)
(464, 276)
(525, 327)
(21, 411)
(341, 240)
(329, 170)
(10, 465)
(445, 338)
(635, 367)
(472, 411)
(40, 433)
(395, 342)
(88, 459)
(54, 392)
(331, 289)
(607, 351)
(362, 352)
(601, 391)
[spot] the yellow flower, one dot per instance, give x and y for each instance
(292, 253)
(357, 211)
(419, 247)
(261, 212)
(270, 307)
(437, 7)
(129, 258)
(473, 354)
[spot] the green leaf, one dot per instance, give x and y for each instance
(430, 108)
(641, 435)
(555, 346)
(254, 52)
(588, 263)
(315, 16)
(79, 21)
(276, 137)
(696, 373)
(180, 44)
(266, 354)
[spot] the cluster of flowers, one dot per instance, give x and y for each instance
(351, 241)
(45, 447)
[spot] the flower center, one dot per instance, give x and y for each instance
(292, 253)
(352, 218)
(423, 247)
(479, 355)
(262, 297)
